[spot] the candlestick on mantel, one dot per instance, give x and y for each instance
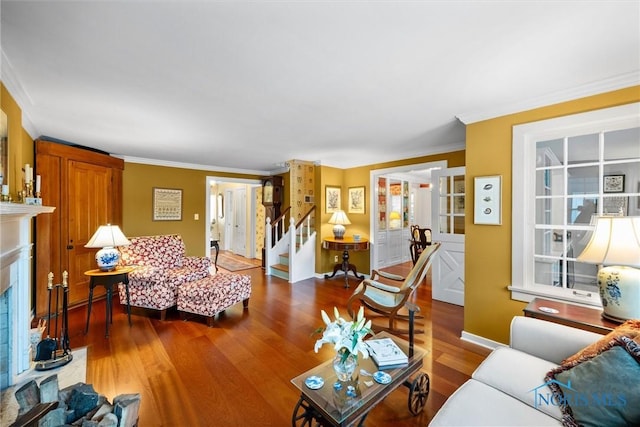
(28, 173)
(38, 183)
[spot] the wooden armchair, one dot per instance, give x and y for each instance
(386, 299)
(420, 239)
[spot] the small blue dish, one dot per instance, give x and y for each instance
(314, 382)
(382, 377)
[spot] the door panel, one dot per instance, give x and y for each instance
(240, 221)
(88, 208)
(448, 207)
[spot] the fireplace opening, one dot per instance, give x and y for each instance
(5, 339)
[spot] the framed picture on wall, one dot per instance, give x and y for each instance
(167, 204)
(487, 204)
(332, 199)
(356, 200)
(613, 184)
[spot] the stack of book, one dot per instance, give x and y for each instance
(386, 353)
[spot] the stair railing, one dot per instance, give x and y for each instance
(302, 255)
(304, 227)
(298, 241)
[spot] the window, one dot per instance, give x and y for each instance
(566, 170)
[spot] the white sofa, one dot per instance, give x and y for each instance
(505, 389)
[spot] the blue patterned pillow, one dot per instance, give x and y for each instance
(600, 390)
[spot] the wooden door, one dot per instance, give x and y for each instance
(89, 188)
(85, 187)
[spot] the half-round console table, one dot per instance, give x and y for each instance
(345, 245)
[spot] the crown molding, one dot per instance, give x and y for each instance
(12, 83)
(614, 83)
(170, 164)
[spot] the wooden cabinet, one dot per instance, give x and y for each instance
(86, 188)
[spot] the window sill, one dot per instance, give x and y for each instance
(584, 298)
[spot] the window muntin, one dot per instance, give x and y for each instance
(559, 166)
(452, 199)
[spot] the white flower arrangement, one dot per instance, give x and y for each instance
(346, 336)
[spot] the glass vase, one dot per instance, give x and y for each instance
(344, 364)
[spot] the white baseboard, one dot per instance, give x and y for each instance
(481, 341)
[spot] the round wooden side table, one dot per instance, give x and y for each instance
(108, 279)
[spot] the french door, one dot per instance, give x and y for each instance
(447, 221)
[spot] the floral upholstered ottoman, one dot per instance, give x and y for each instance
(214, 294)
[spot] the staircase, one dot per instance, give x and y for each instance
(291, 256)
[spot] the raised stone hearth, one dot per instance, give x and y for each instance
(76, 405)
(68, 375)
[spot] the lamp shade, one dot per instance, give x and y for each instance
(107, 237)
(339, 218)
(615, 241)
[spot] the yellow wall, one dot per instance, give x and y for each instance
(356, 177)
(332, 177)
(139, 180)
(488, 305)
(138, 183)
(21, 151)
(20, 142)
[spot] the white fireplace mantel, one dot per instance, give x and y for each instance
(15, 272)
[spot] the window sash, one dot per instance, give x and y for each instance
(527, 168)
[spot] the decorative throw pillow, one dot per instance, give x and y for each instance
(630, 329)
(600, 390)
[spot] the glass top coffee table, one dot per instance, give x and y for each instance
(330, 406)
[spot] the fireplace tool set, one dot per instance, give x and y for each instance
(53, 352)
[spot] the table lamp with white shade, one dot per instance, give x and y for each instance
(615, 245)
(339, 219)
(107, 237)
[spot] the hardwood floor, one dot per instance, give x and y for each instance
(238, 372)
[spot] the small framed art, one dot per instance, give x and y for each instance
(613, 184)
(487, 201)
(356, 200)
(167, 204)
(332, 199)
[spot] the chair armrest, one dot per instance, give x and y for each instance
(196, 263)
(146, 273)
(387, 275)
(381, 286)
(548, 340)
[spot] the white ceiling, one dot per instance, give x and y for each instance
(250, 85)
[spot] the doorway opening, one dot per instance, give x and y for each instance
(401, 197)
(234, 216)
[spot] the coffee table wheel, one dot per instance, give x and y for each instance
(418, 393)
(304, 415)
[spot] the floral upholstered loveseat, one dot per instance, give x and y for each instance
(161, 266)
